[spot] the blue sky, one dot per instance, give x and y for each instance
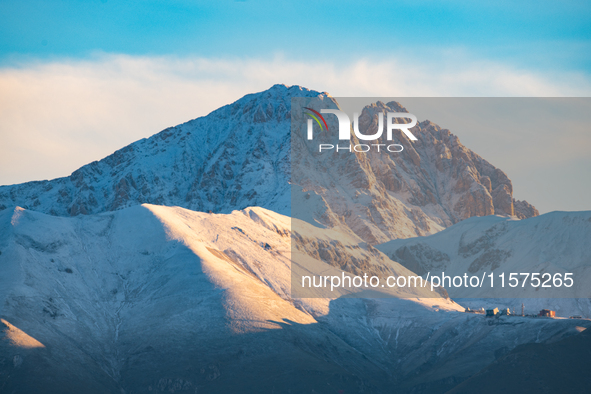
(534, 34)
(81, 79)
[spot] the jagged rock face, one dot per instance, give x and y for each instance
(433, 183)
(446, 172)
(239, 156)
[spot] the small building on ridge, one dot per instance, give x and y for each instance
(547, 313)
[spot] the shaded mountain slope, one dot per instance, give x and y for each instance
(153, 299)
(558, 367)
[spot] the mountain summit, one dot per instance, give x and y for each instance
(239, 156)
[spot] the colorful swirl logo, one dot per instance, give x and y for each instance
(315, 115)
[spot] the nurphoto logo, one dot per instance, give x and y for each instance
(345, 130)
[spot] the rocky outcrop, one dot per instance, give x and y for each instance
(433, 183)
(524, 210)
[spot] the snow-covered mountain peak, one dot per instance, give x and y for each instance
(240, 155)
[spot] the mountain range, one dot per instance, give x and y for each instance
(239, 156)
(167, 266)
(162, 299)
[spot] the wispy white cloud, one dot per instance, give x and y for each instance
(56, 116)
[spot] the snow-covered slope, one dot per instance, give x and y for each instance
(239, 156)
(153, 299)
(555, 242)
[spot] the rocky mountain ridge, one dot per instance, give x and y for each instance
(433, 183)
(239, 156)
